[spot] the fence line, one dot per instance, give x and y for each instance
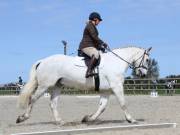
(131, 86)
(168, 86)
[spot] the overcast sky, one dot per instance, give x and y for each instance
(33, 29)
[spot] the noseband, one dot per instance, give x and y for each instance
(141, 65)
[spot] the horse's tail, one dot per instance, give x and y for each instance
(29, 88)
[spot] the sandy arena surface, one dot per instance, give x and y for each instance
(72, 109)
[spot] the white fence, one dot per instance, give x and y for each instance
(164, 86)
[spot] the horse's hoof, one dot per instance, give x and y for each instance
(21, 119)
(85, 119)
(18, 120)
(133, 121)
(60, 123)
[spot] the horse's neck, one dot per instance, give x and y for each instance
(129, 54)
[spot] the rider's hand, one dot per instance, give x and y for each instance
(105, 45)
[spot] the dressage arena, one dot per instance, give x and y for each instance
(145, 109)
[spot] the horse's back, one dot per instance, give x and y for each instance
(59, 64)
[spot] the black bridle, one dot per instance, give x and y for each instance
(141, 65)
(132, 66)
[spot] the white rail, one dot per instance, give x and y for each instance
(101, 129)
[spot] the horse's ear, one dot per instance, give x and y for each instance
(149, 49)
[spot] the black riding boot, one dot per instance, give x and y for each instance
(91, 66)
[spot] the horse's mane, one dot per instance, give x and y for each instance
(128, 46)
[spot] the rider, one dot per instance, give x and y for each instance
(20, 82)
(91, 43)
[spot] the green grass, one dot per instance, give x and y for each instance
(8, 92)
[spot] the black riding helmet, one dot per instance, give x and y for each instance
(94, 15)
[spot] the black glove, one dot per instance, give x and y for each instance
(105, 45)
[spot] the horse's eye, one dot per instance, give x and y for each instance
(147, 60)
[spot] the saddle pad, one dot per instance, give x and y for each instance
(79, 62)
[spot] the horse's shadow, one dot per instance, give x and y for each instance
(32, 124)
(105, 122)
(76, 123)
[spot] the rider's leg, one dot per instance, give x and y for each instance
(90, 51)
(91, 66)
(94, 54)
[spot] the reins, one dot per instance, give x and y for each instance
(132, 66)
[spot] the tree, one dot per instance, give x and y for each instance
(173, 76)
(153, 70)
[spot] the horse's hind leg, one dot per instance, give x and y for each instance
(102, 106)
(26, 115)
(55, 93)
(39, 92)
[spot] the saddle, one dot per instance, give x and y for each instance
(96, 68)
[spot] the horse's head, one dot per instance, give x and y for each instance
(141, 62)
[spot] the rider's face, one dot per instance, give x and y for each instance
(97, 21)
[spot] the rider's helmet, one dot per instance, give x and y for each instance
(94, 15)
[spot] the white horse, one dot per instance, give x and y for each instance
(56, 71)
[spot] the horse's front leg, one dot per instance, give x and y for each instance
(102, 106)
(119, 93)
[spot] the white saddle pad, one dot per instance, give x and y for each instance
(79, 61)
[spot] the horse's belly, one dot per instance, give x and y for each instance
(84, 84)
